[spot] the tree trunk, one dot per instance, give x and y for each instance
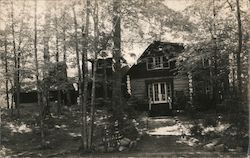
(239, 48)
(79, 80)
(16, 84)
(85, 34)
(105, 87)
(248, 151)
(116, 93)
(12, 99)
(59, 102)
(65, 60)
(59, 98)
(18, 61)
(37, 80)
(46, 57)
(215, 56)
(92, 106)
(6, 72)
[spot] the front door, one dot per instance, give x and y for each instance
(159, 92)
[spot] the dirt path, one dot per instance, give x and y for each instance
(164, 140)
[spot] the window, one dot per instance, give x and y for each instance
(159, 92)
(159, 62)
(150, 63)
(166, 62)
(205, 62)
(99, 65)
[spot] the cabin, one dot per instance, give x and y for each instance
(154, 79)
(31, 96)
(59, 86)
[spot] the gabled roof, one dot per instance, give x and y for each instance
(158, 48)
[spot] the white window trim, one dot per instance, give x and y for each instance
(152, 100)
(161, 64)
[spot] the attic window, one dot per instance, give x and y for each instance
(100, 65)
(205, 62)
(159, 62)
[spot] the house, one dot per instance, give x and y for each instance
(31, 96)
(59, 86)
(154, 79)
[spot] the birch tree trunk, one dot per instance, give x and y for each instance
(37, 80)
(79, 79)
(92, 106)
(59, 98)
(215, 56)
(46, 56)
(65, 59)
(248, 151)
(6, 71)
(85, 34)
(16, 84)
(239, 48)
(18, 61)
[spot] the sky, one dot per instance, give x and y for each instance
(178, 5)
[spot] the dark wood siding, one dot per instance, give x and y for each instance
(138, 88)
(181, 84)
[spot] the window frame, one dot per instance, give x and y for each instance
(151, 92)
(159, 66)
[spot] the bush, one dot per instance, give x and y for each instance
(137, 104)
(117, 130)
(134, 107)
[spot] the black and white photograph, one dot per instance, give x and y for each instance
(124, 78)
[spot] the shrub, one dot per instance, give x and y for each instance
(137, 104)
(134, 107)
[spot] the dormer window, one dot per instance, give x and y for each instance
(158, 62)
(100, 65)
(205, 62)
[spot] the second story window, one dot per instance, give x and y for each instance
(159, 62)
(205, 62)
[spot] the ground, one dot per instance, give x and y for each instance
(162, 137)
